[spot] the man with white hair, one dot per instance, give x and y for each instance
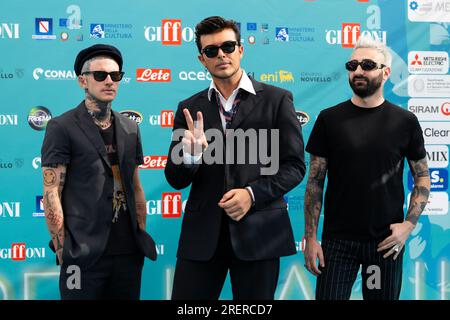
(94, 202)
(361, 145)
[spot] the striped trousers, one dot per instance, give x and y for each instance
(381, 278)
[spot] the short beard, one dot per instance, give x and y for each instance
(371, 86)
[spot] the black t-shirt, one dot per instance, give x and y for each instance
(365, 148)
(121, 239)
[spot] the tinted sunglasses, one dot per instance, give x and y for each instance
(102, 75)
(226, 47)
(366, 65)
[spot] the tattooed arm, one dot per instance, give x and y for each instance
(312, 207)
(421, 190)
(141, 204)
(417, 202)
(54, 178)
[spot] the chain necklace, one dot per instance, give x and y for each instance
(102, 124)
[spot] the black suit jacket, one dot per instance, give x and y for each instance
(265, 232)
(74, 140)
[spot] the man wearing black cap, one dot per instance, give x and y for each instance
(94, 202)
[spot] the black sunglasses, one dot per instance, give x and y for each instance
(227, 47)
(366, 65)
(102, 75)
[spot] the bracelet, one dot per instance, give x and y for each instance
(250, 194)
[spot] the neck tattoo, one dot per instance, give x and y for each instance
(100, 111)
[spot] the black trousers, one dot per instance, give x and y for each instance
(342, 262)
(115, 277)
(203, 280)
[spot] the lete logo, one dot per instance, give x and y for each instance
(153, 75)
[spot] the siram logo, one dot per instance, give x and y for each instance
(430, 109)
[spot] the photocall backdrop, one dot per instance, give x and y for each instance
(298, 45)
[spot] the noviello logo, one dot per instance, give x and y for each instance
(38, 117)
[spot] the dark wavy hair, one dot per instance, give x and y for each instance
(212, 25)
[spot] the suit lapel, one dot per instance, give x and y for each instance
(87, 125)
(248, 102)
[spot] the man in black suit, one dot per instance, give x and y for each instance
(235, 218)
(94, 202)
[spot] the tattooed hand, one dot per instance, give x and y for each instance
(419, 198)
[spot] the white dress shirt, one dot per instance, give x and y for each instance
(245, 84)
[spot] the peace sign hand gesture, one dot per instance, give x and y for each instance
(194, 140)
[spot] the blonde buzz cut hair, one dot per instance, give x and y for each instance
(370, 43)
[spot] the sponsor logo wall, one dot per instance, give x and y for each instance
(300, 46)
